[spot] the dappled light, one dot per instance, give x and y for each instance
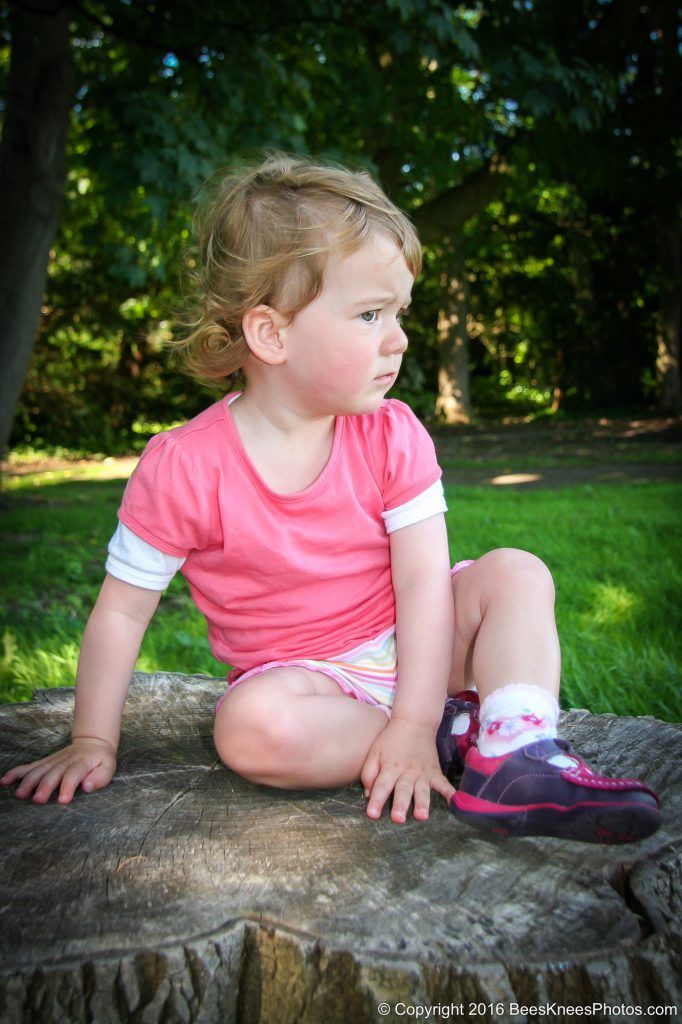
(516, 478)
(613, 604)
(45, 471)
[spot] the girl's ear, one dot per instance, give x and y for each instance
(261, 326)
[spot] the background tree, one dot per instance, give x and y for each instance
(516, 134)
(39, 96)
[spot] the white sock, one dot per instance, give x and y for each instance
(515, 715)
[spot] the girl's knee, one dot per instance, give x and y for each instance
(252, 738)
(518, 568)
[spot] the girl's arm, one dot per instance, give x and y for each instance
(111, 643)
(403, 760)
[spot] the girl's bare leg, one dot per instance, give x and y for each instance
(504, 624)
(294, 729)
(521, 780)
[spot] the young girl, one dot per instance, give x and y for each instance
(306, 512)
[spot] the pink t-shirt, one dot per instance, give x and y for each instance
(282, 576)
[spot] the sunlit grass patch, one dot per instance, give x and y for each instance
(23, 477)
(612, 605)
(25, 667)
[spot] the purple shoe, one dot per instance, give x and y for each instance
(457, 731)
(545, 789)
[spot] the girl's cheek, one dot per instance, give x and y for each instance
(329, 383)
(343, 372)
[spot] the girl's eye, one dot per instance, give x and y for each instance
(401, 314)
(369, 316)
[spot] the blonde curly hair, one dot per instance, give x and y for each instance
(264, 235)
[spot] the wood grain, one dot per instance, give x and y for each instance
(183, 893)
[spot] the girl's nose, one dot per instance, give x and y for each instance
(395, 341)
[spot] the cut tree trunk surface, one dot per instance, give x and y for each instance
(183, 893)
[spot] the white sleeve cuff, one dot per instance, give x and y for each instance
(429, 503)
(133, 560)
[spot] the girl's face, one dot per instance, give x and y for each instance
(344, 349)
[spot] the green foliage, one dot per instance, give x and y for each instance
(562, 268)
(554, 304)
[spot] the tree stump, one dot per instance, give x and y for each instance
(183, 893)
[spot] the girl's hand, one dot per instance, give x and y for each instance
(403, 761)
(88, 762)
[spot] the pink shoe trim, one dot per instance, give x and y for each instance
(590, 780)
(581, 775)
(466, 802)
(485, 765)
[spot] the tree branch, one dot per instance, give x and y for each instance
(444, 215)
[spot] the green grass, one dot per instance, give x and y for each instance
(52, 552)
(614, 551)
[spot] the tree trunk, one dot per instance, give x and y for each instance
(440, 222)
(182, 893)
(454, 399)
(32, 179)
(559, 375)
(668, 358)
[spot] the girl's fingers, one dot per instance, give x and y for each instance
(30, 779)
(370, 770)
(71, 779)
(66, 770)
(9, 777)
(18, 772)
(98, 778)
(49, 782)
(441, 785)
(402, 798)
(410, 787)
(422, 799)
(381, 790)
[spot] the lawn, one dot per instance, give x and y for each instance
(614, 551)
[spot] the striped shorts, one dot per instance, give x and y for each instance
(367, 673)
